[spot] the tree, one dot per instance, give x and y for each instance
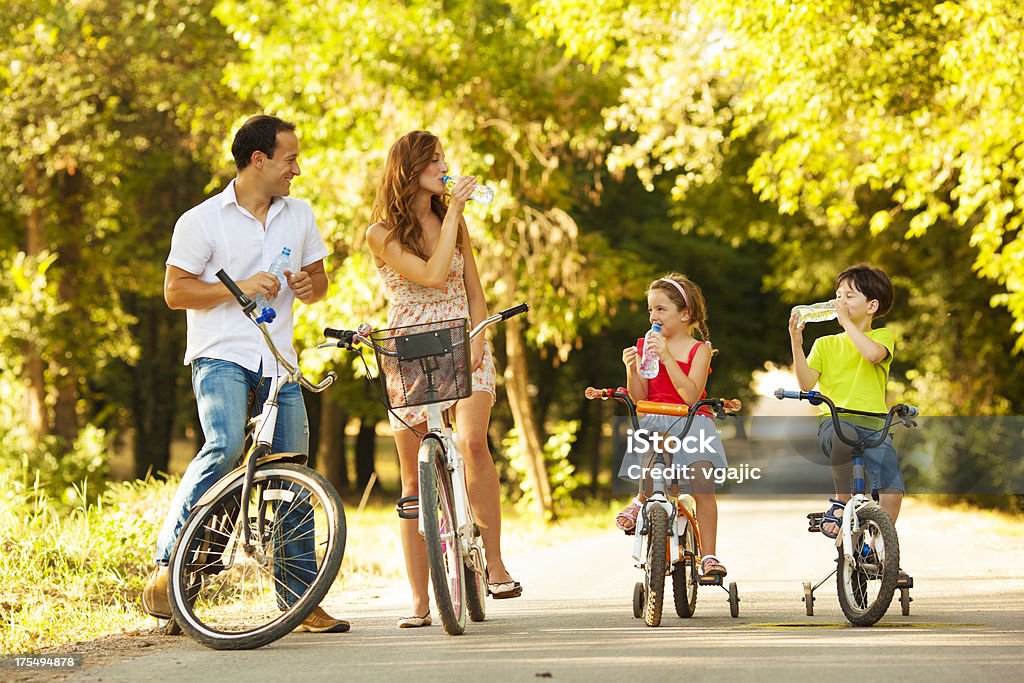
(100, 148)
(885, 130)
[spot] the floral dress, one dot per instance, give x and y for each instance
(413, 304)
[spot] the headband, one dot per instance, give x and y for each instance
(686, 299)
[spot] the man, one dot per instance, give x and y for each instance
(240, 230)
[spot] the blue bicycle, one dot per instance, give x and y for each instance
(867, 569)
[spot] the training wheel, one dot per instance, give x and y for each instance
(905, 601)
(638, 600)
(734, 600)
(808, 599)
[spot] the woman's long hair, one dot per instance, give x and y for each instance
(407, 158)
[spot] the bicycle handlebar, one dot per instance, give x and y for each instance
(248, 306)
(905, 413)
(351, 338)
(245, 302)
(721, 406)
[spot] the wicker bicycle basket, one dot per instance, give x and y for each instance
(426, 363)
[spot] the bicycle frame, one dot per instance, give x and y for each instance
(859, 499)
(265, 424)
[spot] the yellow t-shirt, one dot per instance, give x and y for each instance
(848, 378)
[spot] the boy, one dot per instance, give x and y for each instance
(852, 368)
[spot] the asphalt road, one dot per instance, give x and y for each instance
(574, 621)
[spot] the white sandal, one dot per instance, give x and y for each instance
(414, 621)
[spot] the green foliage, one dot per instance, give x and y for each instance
(561, 472)
(875, 131)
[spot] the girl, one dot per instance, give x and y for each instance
(678, 305)
(421, 246)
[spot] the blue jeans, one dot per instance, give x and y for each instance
(880, 463)
(222, 395)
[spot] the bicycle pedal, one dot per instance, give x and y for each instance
(814, 528)
(905, 583)
(709, 581)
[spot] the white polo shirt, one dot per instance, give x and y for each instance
(221, 234)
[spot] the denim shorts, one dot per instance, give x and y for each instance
(880, 463)
(701, 445)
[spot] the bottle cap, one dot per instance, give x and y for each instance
(656, 327)
(286, 251)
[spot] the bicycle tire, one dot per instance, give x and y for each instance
(655, 565)
(227, 599)
(866, 584)
(441, 536)
(684, 576)
(476, 586)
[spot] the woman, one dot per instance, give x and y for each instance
(421, 246)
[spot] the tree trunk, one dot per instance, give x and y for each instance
(36, 415)
(366, 452)
(332, 453)
(69, 258)
(516, 380)
(156, 383)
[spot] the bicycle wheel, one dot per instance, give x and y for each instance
(656, 562)
(229, 599)
(476, 584)
(867, 582)
(684, 576)
(441, 535)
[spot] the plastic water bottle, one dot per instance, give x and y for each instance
(281, 263)
(481, 193)
(815, 313)
(650, 364)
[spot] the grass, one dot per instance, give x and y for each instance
(72, 575)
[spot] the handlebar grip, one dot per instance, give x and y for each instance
(657, 408)
(912, 411)
(732, 405)
(232, 287)
(604, 394)
(788, 393)
(332, 333)
(514, 311)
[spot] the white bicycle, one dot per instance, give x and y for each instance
(425, 365)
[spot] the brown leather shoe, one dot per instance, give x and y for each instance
(322, 622)
(154, 596)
